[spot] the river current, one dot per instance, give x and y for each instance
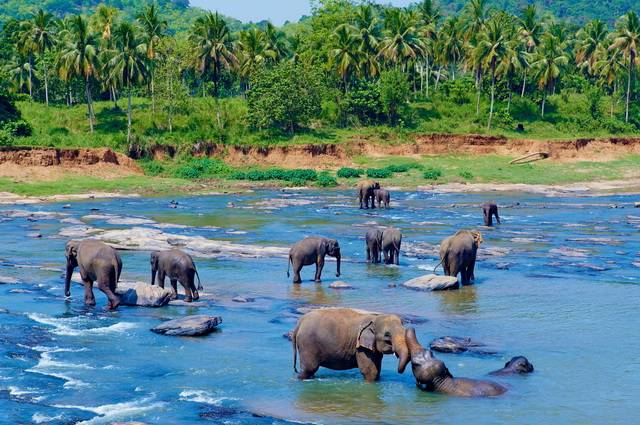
(558, 282)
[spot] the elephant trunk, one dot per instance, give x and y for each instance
(402, 351)
(67, 279)
(413, 345)
(338, 265)
(153, 275)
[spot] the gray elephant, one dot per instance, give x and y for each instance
(518, 365)
(342, 338)
(458, 254)
(432, 374)
(366, 193)
(382, 196)
(98, 262)
(391, 241)
(179, 267)
(489, 210)
(373, 242)
(312, 250)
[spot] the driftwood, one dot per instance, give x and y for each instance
(531, 157)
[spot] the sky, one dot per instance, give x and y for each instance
(277, 11)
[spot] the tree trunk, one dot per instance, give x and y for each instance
(88, 96)
(544, 99)
(524, 83)
(153, 94)
(478, 89)
(30, 79)
(493, 92)
(427, 76)
(129, 112)
(46, 82)
(509, 102)
(215, 80)
(626, 113)
(438, 78)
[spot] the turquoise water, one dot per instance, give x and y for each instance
(556, 282)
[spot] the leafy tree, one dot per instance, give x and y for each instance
(43, 37)
(530, 32)
(394, 94)
(153, 28)
(401, 43)
(344, 55)
(627, 40)
(548, 62)
(285, 97)
(253, 52)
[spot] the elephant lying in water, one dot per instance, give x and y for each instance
(97, 262)
(518, 365)
(179, 267)
(342, 338)
(432, 374)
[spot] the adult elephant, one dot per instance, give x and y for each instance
(382, 196)
(366, 193)
(432, 374)
(490, 210)
(458, 254)
(518, 365)
(179, 267)
(373, 242)
(342, 338)
(391, 240)
(98, 262)
(312, 250)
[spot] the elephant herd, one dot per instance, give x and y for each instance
(335, 338)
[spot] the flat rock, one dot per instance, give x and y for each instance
(143, 295)
(569, 252)
(183, 303)
(195, 325)
(457, 345)
(243, 299)
(432, 282)
(340, 285)
(9, 279)
(34, 235)
(636, 205)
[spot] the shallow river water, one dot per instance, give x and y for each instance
(558, 282)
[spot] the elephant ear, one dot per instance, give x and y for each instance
(366, 336)
(71, 249)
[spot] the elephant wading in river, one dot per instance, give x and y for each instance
(366, 193)
(342, 338)
(391, 240)
(373, 242)
(458, 254)
(312, 250)
(382, 196)
(432, 374)
(97, 262)
(179, 267)
(489, 210)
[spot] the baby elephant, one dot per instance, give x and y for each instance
(391, 241)
(382, 196)
(312, 250)
(489, 210)
(518, 365)
(432, 375)
(373, 242)
(179, 267)
(97, 262)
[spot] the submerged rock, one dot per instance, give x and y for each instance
(243, 299)
(9, 280)
(195, 325)
(143, 295)
(340, 285)
(457, 345)
(432, 282)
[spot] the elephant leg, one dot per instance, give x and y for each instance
(192, 286)
(161, 277)
(369, 259)
(174, 285)
(308, 366)
(297, 266)
(89, 298)
(397, 257)
(369, 363)
(188, 296)
(319, 267)
(105, 286)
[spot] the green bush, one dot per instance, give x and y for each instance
(432, 174)
(467, 175)
(348, 173)
(402, 168)
(298, 177)
(379, 173)
(326, 180)
(19, 128)
(152, 168)
(394, 94)
(201, 168)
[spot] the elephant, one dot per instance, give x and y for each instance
(518, 365)
(97, 262)
(373, 241)
(391, 240)
(489, 210)
(312, 250)
(366, 192)
(382, 196)
(343, 338)
(458, 254)
(179, 267)
(432, 374)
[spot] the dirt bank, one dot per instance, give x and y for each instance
(35, 163)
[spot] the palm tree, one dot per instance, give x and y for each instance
(401, 43)
(128, 63)
(214, 46)
(451, 44)
(608, 67)
(253, 52)
(368, 32)
(590, 38)
(153, 27)
(478, 12)
(530, 32)
(344, 54)
(43, 37)
(547, 62)
(19, 70)
(627, 40)
(103, 21)
(27, 47)
(494, 42)
(276, 42)
(80, 57)
(428, 31)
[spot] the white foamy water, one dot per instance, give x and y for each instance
(108, 413)
(203, 396)
(63, 326)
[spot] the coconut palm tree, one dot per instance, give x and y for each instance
(367, 30)
(102, 22)
(43, 29)
(530, 32)
(627, 40)
(153, 28)
(276, 42)
(344, 54)
(451, 44)
(401, 43)
(127, 62)
(79, 57)
(478, 12)
(547, 62)
(214, 46)
(253, 52)
(430, 15)
(608, 67)
(590, 39)
(27, 48)
(19, 70)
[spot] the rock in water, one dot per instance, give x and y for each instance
(457, 345)
(338, 284)
(432, 282)
(8, 279)
(143, 295)
(196, 325)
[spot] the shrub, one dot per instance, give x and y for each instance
(363, 101)
(298, 177)
(467, 175)
(202, 167)
(5, 138)
(326, 180)
(402, 168)
(152, 168)
(394, 94)
(378, 173)
(19, 128)
(348, 173)
(432, 174)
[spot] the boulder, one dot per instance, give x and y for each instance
(195, 325)
(432, 282)
(240, 299)
(457, 345)
(340, 285)
(143, 295)
(9, 279)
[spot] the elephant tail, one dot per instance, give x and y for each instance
(437, 265)
(199, 284)
(288, 265)
(295, 348)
